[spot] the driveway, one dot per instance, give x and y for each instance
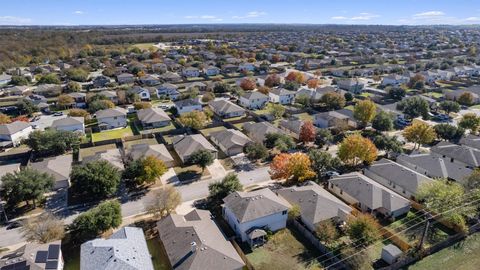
(170, 177)
(216, 170)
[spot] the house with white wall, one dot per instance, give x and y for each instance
(13, 133)
(281, 95)
(111, 118)
(75, 124)
(253, 100)
(187, 105)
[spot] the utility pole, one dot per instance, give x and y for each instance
(2, 209)
(425, 230)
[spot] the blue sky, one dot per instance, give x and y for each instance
(111, 12)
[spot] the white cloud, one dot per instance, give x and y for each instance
(429, 14)
(364, 16)
(78, 12)
(472, 19)
(339, 18)
(251, 14)
(14, 20)
(204, 17)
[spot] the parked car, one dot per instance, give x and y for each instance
(58, 114)
(13, 225)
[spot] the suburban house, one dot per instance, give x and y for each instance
(395, 80)
(196, 85)
(249, 214)
(80, 99)
(281, 95)
(253, 100)
(226, 109)
(455, 95)
(100, 81)
(34, 256)
(194, 241)
(434, 166)
(125, 78)
(168, 90)
(171, 77)
(48, 90)
(335, 119)
(141, 92)
(314, 94)
(351, 85)
(75, 124)
(8, 168)
(396, 177)
(191, 72)
(110, 95)
(230, 141)
(470, 140)
(187, 105)
(186, 145)
(460, 154)
(125, 249)
(246, 66)
(211, 71)
(149, 80)
(59, 167)
(257, 131)
(368, 195)
(153, 118)
(113, 156)
(38, 100)
(143, 150)
(5, 79)
(13, 133)
(292, 127)
(18, 90)
(316, 204)
(111, 118)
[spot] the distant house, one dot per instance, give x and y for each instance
(191, 72)
(125, 78)
(455, 95)
(459, 154)
(194, 241)
(75, 124)
(316, 204)
(110, 95)
(112, 156)
(211, 71)
(395, 80)
(291, 127)
(159, 151)
(125, 249)
(111, 118)
(338, 118)
(368, 195)
(229, 68)
(80, 99)
(5, 79)
(186, 145)
(281, 95)
(253, 100)
(257, 131)
(230, 141)
(171, 77)
(226, 109)
(168, 90)
(396, 177)
(351, 85)
(48, 90)
(34, 256)
(143, 93)
(149, 80)
(246, 66)
(18, 90)
(196, 85)
(314, 95)
(250, 214)
(38, 100)
(59, 167)
(187, 105)
(153, 118)
(12, 134)
(101, 81)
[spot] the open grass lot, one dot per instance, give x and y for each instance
(112, 134)
(90, 151)
(434, 95)
(171, 126)
(159, 258)
(206, 132)
(151, 141)
(464, 256)
(304, 116)
(265, 110)
(144, 46)
(286, 249)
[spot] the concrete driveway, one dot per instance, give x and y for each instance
(216, 170)
(170, 177)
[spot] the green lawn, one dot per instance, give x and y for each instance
(265, 110)
(159, 258)
(434, 95)
(112, 134)
(206, 132)
(144, 46)
(304, 116)
(475, 107)
(463, 255)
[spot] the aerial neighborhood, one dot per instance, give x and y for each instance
(300, 148)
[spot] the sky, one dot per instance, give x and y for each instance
(115, 12)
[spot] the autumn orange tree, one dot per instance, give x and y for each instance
(294, 167)
(4, 119)
(365, 111)
(419, 133)
(356, 149)
(248, 84)
(272, 80)
(313, 83)
(307, 132)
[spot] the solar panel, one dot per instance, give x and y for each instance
(51, 265)
(41, 256)
(53, 252)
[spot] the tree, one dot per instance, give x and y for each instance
(164, 202)
(72, 87)
(195, 119)
(333, 100)
(4, 119)
(397, 93)
(101, 104)
(248, 84)
(51, 141)
(43, 229)
(466, 98)
(51, 78)
(383, 121)
(470, 121)
(414, 107)
(364, 111)
(307, 132)
(419, 133)
(202, 158)
(324, 136)
(417, 82)
(207, 97)
(323, 161)
(303, 99)
(145, 170)
(294, 212)
(294, 167)
(441, 196)
(355, 149)
(222, 88)
(64, 101)
(389, 144)
(19, 80)
(363, 229)
(449, 106)
(313, 83)
(264, 90)
(98, 179)
(255, 151)
(272, 80)
(77, 74)
(348, 96)
(141, 105)
(79, 113)
(96, 221)
(277, 110)
(448, 132)
(220, 190)
(326, 231)
(27, 107)
(282, 142)
(25, 186)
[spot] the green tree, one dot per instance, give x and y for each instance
(448, 132)
(164, 201)
(77, 74)
(333, 100)
(470, 121)
(255, 151)
(202, 158)
(72, 87)
(277, 110)
(25, 186)
(324, 136)
(208, 96)
(97, 179)
(363, 229)
(195, 120)
(397, 93)
(326, 231)
(98, 105)
(450, 106)
(466, 99)
(364, 111)
(282, 142)
(323, 161)
(414, 107)
(51, 141)
(220, 190)
(389, 144)
(294, 212)
(64, 101)
(145, 170)
(27, 107)
(49, 78)
(383, 121)
(19, 80)
(303, 100)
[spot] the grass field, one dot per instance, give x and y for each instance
(90, 151)
(144, 46)
(463, 255)
(112, 134)
(206, 132)
(159, 258)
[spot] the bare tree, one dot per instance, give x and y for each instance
(43, 228)
(164, 202)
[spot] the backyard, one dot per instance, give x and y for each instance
(159, 258)
(112, 134)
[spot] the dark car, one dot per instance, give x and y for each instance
(13, 225)
(58, 114)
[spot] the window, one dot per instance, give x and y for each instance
(284, 212)
(115, 118)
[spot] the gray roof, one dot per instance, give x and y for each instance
(152, 115)
(12, 128)
(248, 206)
(435, 166)
(9, 168)
(111, 155)
(186, 102)
(59, 167)
(67, 121)
(369, 192)
(108, 94)
(257, 131)
(194, 242)
(185, 145)
(398, 174)
(111, 112)
(230, 138)
(465, 154)
(126, 250)
(33, 256)
(159, 151)
(224, 106)
(281, 92)
(254, 95)
(316, 204)
(292, 125)
(471, 141)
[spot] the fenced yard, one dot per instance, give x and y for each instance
(112, 134)
(90, 151)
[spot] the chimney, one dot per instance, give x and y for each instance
(193, 245)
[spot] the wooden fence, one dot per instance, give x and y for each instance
(242, 255)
